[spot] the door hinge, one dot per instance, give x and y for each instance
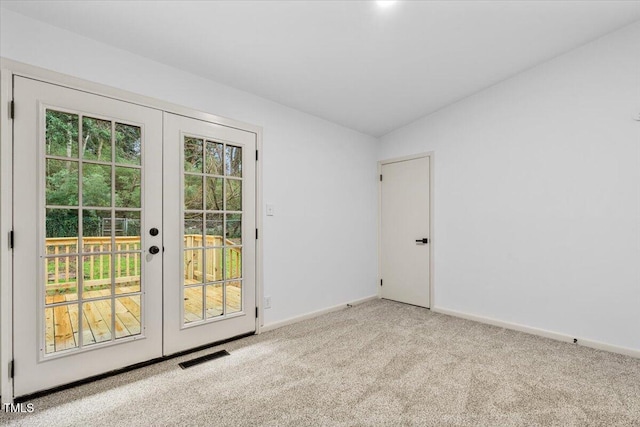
(256, 155)
(256, 234)
(256, 312)
(11, 239)
(12, 109)
(12, 369)
(380, 282)
(381, 177)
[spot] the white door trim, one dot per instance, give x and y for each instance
(432, 240)
(9, 68)
(6, 224)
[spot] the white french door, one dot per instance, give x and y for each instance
(134, 234)
(88, 188)
(210, 233)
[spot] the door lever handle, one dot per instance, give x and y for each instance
(424, 241)
(154, 250)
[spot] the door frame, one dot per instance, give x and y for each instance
(430, 155)
(10, 68)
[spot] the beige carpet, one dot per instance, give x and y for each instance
(376, 364)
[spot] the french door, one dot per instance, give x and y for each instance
(122, 253)
(210, 225)
(87, 185)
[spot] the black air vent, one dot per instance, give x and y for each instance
(206, 358)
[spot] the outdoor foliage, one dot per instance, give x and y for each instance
(89, 165)
(88, 145)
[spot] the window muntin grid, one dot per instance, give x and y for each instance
(212, 229)
(92, 290)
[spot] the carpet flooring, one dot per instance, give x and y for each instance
(377, 364)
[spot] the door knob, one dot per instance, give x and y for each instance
(424, 240)
(154, 250)
(154, 231)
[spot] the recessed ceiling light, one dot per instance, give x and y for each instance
(385, 4)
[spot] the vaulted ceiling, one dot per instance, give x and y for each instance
(367, 67)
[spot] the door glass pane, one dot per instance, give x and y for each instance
(192, 154)
(128, 187)
(96, 139)
(61, 279)
(193, 266)
(128, 144)
(96, 185)
(233, 161)
(61, 136)
(49, 331)
(234, 195)
(62, 231)
(213, 158)
(97, 317)
(193, 192)
(127, 230)
(62, 183)
(96, 269)
(234, 229)
(110, 256)
(233, 263)
(214, 264)
(128, 275)
(233, 294)
(214, 229)
(61, 328)
(193, 304)
(193, 230)
(214, 194)
(128, 316)
(214, 300)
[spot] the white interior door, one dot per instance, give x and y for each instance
(404, 225)
(88, 186)
(210, 233)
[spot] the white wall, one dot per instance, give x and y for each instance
(537, 194)
(320, 247)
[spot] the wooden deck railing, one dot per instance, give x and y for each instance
(193, 264)
(62, 271)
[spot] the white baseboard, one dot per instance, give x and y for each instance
(540, 332)
(296, 319)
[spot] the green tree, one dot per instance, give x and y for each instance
(100, 141)
(61, 134)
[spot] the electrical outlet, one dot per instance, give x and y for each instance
(267, 302)
(271, 210)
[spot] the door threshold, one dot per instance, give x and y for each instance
(407, 303)
(38, 394)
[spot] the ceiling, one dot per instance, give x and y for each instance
(368, 68)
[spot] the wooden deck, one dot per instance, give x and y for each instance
(62, 326)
